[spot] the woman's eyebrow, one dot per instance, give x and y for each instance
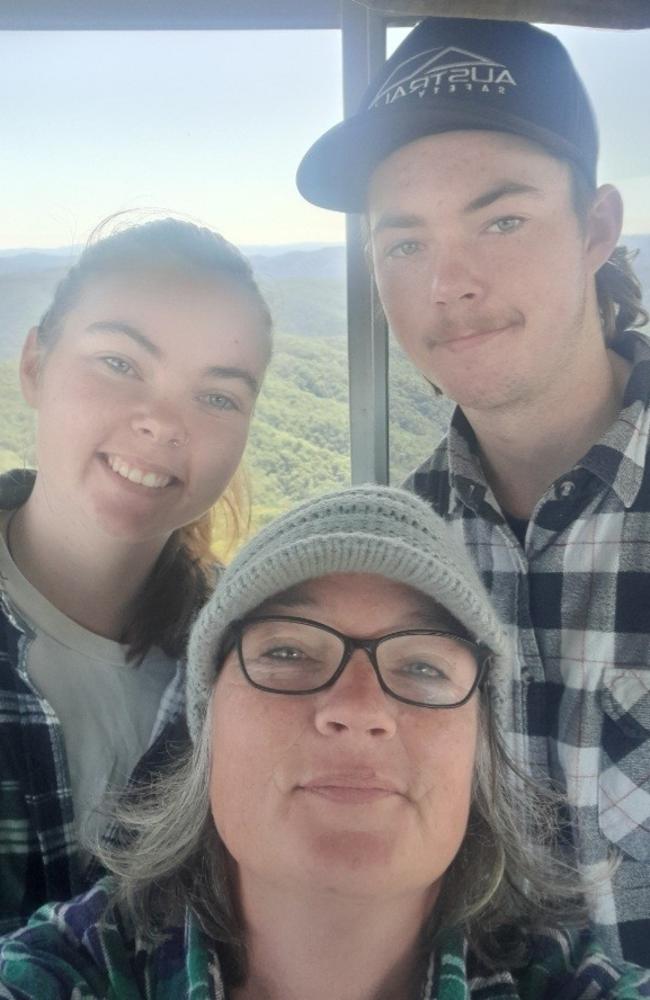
(219, 371)
(290, 599)
(212, 371)
(429, 614)
(438, 621)
(117, 326)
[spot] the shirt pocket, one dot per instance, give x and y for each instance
(624, 777)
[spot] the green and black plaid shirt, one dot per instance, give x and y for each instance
(87, 950)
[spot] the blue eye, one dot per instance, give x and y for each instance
(217, 401)
(407, 248)
(118, 365)
(283, 653)
(507, 224)
(423, 670)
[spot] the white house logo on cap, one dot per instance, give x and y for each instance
(444, 70)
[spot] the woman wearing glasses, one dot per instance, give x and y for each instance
(348, 826)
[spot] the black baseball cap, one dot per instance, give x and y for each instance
(450, 74)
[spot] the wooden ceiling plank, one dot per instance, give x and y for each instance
(589, 13)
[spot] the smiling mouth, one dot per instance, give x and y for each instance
(455, 336)
(134, 474)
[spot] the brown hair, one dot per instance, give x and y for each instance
(618, 289)
(183, 574)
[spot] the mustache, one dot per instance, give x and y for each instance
(448, 328)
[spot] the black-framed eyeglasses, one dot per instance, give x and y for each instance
(425, 667)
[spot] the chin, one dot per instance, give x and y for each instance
(364, 870)
(130, 530)
(479, 395)
(351, 858)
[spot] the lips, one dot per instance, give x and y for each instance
(352, 796)
(457, 333)
(361, 786)
(468, 339)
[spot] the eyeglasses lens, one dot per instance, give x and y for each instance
(428, 668)
(295, 657)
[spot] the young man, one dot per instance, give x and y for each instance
(474, 159)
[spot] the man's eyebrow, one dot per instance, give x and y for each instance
(218, 371)
(408, 220)
(500, 191)
(397, 220)
(117, 326)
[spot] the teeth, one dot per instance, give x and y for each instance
(135, 475)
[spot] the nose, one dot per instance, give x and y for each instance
(162, 424)
(356, 704)
(453, 277)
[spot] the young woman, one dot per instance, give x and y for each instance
(349, 826)
(143, 374)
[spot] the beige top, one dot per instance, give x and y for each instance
(106, 707)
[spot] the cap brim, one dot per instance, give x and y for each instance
(335, 172)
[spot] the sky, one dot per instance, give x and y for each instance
(212, 125)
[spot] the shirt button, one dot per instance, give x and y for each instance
(565, 489)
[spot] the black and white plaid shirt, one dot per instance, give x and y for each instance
(576, 600)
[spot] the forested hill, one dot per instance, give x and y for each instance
(300, 438)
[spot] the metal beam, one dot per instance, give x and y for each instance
(364, 50)
(125, 15)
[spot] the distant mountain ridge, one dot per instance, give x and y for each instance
(305, 287)
(251, 250)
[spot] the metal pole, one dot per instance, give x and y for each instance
(364, 48)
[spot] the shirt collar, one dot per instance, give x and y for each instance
(15, 487)
(619, 458)
(465, 468)
(203, 970)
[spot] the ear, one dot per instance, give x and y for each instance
(368, 257)
(30, 368)
(604, 224)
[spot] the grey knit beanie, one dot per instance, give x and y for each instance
(365, 529)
